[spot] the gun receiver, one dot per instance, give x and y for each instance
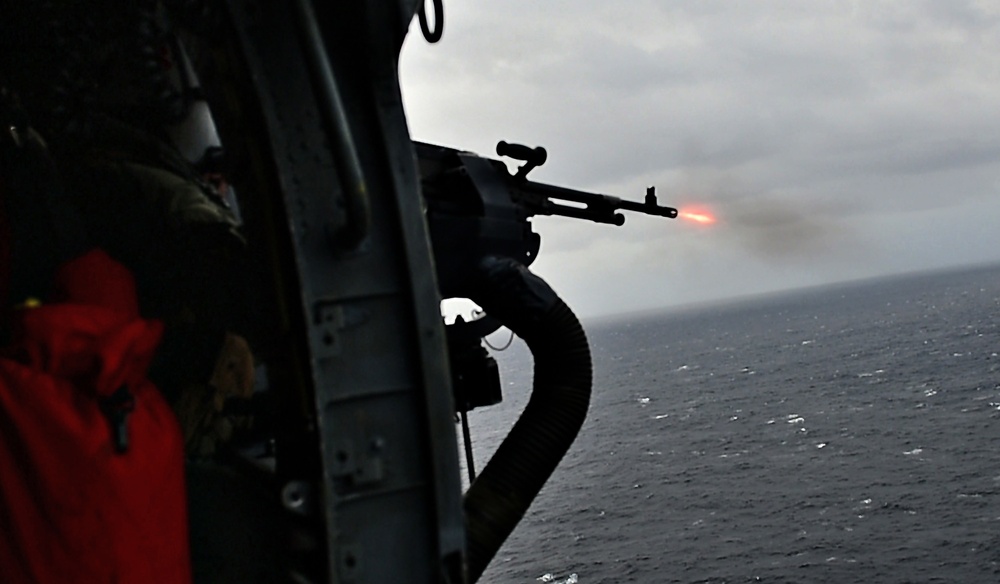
(476, 207)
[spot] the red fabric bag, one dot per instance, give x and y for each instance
(91, 456)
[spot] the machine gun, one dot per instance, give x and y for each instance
(478, 218)
(476, 207)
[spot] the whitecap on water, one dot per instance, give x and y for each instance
(551, 579)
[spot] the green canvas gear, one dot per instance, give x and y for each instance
(147, 207)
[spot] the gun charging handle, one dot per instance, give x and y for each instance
(532, 157)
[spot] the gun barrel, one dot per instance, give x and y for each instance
(650, 209)
(597, 207)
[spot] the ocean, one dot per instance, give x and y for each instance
(836, 435)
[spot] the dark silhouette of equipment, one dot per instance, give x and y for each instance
(479, 214)
(476, 207)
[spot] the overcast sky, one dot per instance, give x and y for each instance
(833, 140)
